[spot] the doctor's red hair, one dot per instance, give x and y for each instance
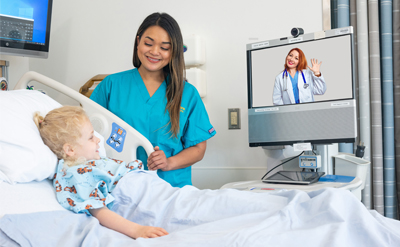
(302, 59)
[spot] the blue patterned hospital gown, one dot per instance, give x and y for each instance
(89, 185)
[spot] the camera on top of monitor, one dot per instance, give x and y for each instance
(296, 31)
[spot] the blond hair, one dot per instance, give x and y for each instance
(60, 126)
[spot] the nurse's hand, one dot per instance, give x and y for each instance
(157, 160)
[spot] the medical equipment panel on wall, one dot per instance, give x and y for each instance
(194, 50)
(197, 78)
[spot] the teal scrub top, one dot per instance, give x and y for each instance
(126, 95)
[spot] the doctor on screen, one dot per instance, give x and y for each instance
(297, 84)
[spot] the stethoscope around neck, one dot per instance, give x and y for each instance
(286, 73)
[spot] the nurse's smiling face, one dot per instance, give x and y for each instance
(292, 60)
(154, 49)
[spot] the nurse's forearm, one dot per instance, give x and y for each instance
(187, 157)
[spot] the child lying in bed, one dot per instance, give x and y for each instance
(84, 181)
(192, 217)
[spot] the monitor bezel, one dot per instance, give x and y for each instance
(287, 41)
(15, 48)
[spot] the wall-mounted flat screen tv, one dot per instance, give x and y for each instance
(25, 27)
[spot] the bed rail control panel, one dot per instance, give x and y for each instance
(117, 138)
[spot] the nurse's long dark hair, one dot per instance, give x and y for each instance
(175, 71)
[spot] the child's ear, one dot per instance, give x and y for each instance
(69, 149)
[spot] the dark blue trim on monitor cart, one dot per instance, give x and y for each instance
(249, 85)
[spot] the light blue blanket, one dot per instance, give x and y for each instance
(228, 217)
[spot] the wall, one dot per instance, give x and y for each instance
(17, 67)
(96, 37)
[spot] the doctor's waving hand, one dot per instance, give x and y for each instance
(297, 84)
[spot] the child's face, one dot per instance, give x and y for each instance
(88, 144)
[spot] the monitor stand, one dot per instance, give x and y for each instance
(259, 187)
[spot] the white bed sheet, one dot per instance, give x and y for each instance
(28, 198)
(227, 217)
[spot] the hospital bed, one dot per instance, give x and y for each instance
(31, 216)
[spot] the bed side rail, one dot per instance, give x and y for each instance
(102, 119)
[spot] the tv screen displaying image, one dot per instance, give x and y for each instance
(25, 27)
(269, 78)
(301, 89)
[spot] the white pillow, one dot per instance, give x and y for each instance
(102, 149)
(23, 155)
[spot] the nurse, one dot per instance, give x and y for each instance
(297, 84)
(155, 99)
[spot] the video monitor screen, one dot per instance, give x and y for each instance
(271, 85)
(25, 24)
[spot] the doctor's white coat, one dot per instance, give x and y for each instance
(316, 85)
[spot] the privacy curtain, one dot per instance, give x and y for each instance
(396, 93)
(376, 30)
